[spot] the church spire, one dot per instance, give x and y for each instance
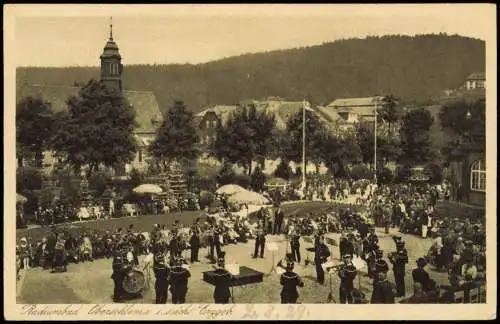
(111, 67)
(111, 28)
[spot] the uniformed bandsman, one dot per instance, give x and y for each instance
(380, 264)
(260, 241)
(290, 281)
(118, 276)
(179, 277)
(321, 255)
(295, 245)
(347, 273)
(161, 272)
(194, 243)
(222, 282)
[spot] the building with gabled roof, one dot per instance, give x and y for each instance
(475, 80)
(353, 110)
(148, 116)
(208, 119)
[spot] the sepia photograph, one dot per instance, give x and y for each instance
(249, 154)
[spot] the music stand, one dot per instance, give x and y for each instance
(309, 240)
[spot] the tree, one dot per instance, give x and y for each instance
(97, 128)
(247, 136)
(391, 112)
(35, 122)
(177, 137)
(337, 153)
(415, 139)
(315, 134)
(366, 140)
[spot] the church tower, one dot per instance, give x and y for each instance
(111, 66)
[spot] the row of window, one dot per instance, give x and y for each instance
(112, 68)
(206, 140)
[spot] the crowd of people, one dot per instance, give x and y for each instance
(458, 246)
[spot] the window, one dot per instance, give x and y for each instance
(478, 176)
(140, 156)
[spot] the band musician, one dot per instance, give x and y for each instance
(161, 272)
(321, 255)
(399, 259)
(347, 272)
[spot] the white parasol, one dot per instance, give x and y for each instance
(276, 182)
(230, 189)
(148, 189)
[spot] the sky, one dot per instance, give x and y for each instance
(75, 36)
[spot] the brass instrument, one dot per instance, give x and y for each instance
(393, 256)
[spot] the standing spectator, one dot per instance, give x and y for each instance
(279, 215)
(382, 290)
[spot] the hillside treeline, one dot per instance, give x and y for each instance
(415, 69)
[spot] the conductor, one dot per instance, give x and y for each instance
(222, 281)
(290, 281)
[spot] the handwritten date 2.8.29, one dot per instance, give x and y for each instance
(295, 312)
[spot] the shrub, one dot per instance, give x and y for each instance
(136, 177)
(435, 172)
(28, 179)
(402, 173)
(360, 171)
(228, 176)
(385, 176)
(283, 170)
(98, 182)
(257, 179)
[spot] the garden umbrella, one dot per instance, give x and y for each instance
(20, 199)
(248, 197)
(276, 182)
(230, 189)
(148, 189)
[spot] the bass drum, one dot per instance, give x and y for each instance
(134, 282)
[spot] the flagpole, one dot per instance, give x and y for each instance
(375, 144)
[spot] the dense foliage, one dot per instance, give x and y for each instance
(465, 124)
(35, 123)
(177, 138)
(246, 137)
(415, 138)
(96, 129)
(412, 68)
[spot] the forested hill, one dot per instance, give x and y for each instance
(414, 68)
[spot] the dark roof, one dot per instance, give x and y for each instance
(111, 50)
(143, 102)
(477, 76)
